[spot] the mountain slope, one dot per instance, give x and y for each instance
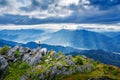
(101, 56)
(116, 41)
(35, 45)
(82, 39)
(51, 47)
(22, 35)
(9, 43)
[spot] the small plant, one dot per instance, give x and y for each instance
(78, 60)
(24, 65)
(4, 50)
(115, 72)
(60, 53)
(17, 54)
(96, 63)
(106, 69)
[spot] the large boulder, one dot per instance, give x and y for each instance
(42, 51)
(34, 56)
(10, 56)
(3, 65)
(24, 50)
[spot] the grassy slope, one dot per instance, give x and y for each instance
(99, 71)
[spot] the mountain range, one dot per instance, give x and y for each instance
(33, 45)
(84, 39)
(78, 39)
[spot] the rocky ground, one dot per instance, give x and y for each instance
(22, 63)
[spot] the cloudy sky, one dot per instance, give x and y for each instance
(27, 12)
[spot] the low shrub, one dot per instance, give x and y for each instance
(24, 65)
(115, 72)
(4, 50)
(17, 54)
(78, 60)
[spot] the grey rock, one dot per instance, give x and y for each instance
(12, 51)
(85, 57)
(10, 55)
(23, 50)
(47, 72)
(3, 65)
(23, 78)
(80, 69)
(43, 51)
(70, 62)
(63, 69)
(66, 73)
(59, 72)
(42, 76)
(59, 57)
(34, 56)
(88, 67)
(26, 50)
(60, 65)
(69, 57)
(54, 68)
(52, 75)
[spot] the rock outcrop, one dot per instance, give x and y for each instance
(44, 64)
(32, 56)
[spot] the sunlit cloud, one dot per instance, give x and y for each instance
(69, 26)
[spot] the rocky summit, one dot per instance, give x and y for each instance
(23, 63)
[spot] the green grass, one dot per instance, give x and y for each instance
(4, 50)
(16, 70)
(17, 54)
(114, 74)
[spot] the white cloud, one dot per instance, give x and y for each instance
(59, 8)
(14, 8)
(68, 2)
(70, 26)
